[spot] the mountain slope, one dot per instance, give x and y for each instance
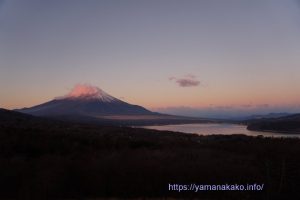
(84, 107)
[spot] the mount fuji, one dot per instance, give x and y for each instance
(86, 103)
(86, 100)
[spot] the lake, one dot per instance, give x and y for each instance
(216, 129)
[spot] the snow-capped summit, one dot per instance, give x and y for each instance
(85, 91)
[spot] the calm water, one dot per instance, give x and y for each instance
(211, 129)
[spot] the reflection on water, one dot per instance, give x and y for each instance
(214, 129)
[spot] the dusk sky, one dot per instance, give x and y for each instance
(162, 54)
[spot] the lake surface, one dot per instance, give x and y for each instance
(216, 129)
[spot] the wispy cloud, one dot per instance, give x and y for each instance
(262, 105)
(186, 81)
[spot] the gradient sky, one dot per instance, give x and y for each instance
(161, 54)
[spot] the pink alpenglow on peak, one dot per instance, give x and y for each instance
(85, 91)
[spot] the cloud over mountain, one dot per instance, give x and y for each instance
(88, 92)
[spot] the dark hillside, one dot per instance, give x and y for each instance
(287, 124)
(54, 160)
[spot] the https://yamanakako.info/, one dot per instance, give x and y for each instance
(211, 187)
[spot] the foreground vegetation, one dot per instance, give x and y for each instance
(41, 159)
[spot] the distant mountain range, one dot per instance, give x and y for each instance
(262, 116)
(91, 104)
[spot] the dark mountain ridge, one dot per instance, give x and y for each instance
(89, 107)
(286, 124)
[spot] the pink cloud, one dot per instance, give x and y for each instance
(84, 90)
(186, 81)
